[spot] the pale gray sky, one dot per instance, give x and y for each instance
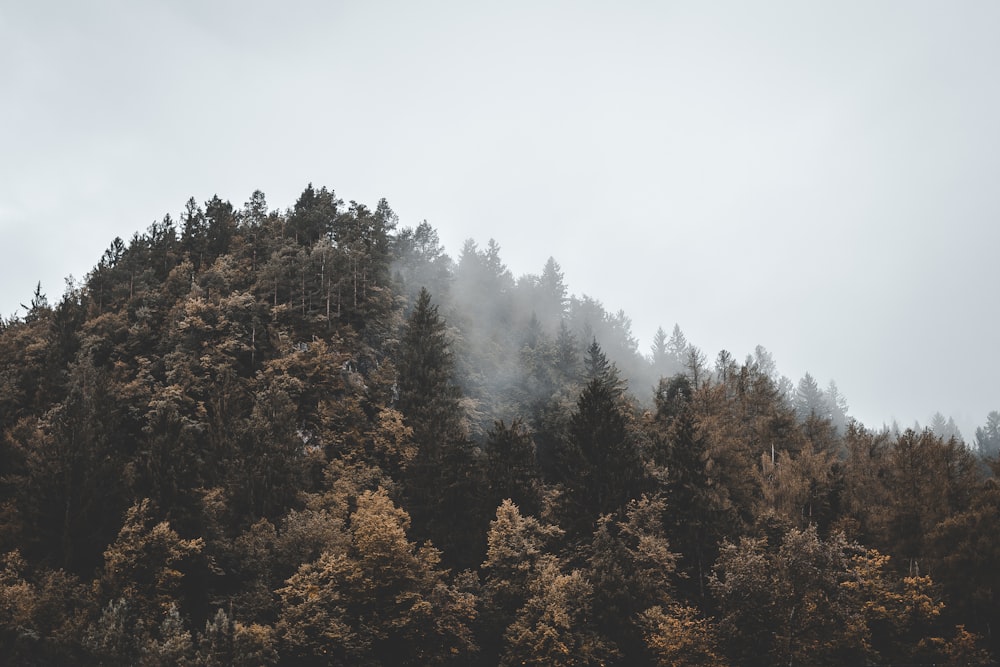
(819, 178)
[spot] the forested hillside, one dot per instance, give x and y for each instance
(309, 436)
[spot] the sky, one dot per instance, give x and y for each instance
(817, 178)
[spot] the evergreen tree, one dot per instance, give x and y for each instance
(194, 233)
(837, 404)
(314, 215)
(511, 468)
(428, 396)
(567, 360)
(988, 436)
(677, 346)
(632, 568)
(809, 400)
(601, 465)
(695, 512)
(421, 263)
(597, 367)
(553, 295)
(220, 219)
(659, 356)
(443, 481)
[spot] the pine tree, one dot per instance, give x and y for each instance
(601, 465)
(511, 468)
(553, 295)
(597, 367)
(428, 396)
(445, 489)
(314, 215)
(809, 400)
(567, 360)
(677, 346)
(659, 356)
(988, 436)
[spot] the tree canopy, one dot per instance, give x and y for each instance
(255, 436)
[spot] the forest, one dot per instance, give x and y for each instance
(255, 436)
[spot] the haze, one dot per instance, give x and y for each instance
(819, 179)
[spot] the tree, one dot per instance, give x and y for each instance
(194, 233)
(809, 400)
(694, 362)
(146, 563)
(632, 568)
(511, 468)
(567, 361)
(968, 553)
(676, 637)
(553, 627)
(677, 346)
(725, 366)
(42, 613)
(927, 480)
(697, 511)
(794, 603)
(988, 436)
(428, 396)
(228, 642)
(140, 587)
(601, 465)
(72, 486)
(552, 295)
(864, 494)
(659, 356)
(797, 487)
(597, 367)
(837, 404)
(220, 219)
(518, 547)
(421, 262)
(444, 487)
(383, 600)
(314, 215)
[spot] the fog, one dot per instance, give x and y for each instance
(816, 179)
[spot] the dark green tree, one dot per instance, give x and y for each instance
(696, 512)
(444, 486)
(314, 215)
(194, 233)
(600, 460)
(511, 468)
(220, 223)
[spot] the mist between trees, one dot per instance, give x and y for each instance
(310, 436)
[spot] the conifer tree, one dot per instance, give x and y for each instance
(601, 466)
(511, 468)
(988, 436)
(444, 479)
(659, 356)
(677, 346)
(553, 294)
(809, 400)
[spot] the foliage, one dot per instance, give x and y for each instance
(255, 436)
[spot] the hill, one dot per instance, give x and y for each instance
(310, 436)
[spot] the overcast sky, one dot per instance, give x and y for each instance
(819, 178)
